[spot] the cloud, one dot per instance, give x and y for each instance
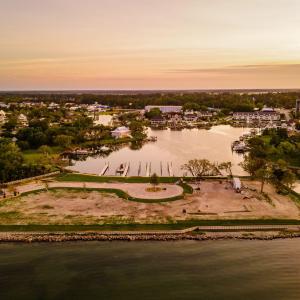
(258, 68)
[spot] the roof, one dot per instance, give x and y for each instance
(157, 118)
(121, 129)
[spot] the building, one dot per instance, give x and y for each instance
(298, 107)
(2, 116)
(205, 114)
(121, 132)
(192, 117)
(257, 116)
(165, 109)
(22, 120)
(158, 121)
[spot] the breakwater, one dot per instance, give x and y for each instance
(100, 236)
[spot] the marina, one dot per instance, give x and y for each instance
(166, 156)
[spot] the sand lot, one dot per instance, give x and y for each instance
(213, 201)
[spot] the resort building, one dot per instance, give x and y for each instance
(165, 109)
(258, 116)
(121, 132)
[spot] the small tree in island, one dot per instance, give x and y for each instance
(154, 180)
(200, 168)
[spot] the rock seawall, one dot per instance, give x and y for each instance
(95, 236)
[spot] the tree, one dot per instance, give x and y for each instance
(191, 106)
(11, 160)
(154, 180)
(258, 168)
(283, 175)
(46, 150)
(63, 140)
(200, 167)
(154, 112)
(264, 174)
(250, 164)
(227, 166)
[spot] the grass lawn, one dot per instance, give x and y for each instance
(94, 178)
(140, 227)
(33, 155)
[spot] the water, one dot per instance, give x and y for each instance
(151, 270)
(176, 147)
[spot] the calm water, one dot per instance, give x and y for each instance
(176, 147)
(151, 270)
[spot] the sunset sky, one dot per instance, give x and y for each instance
(149, 44)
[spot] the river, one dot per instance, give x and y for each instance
(172, 147)
(151, 270)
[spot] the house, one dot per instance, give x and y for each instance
(22, 120)
(121, 132)
(2, 116)
(205, 114)
(192, 117)
(158, 121)
(165, 109)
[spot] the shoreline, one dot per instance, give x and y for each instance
(38, 237)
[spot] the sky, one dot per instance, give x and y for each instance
(149, 44)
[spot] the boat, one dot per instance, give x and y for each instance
(152, 139)
(240, 147)
(121, 169)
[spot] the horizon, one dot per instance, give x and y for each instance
(110, 45)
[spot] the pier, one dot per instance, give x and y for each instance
(104, 169)
(170, 169)
(126, 169)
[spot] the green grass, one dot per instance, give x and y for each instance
(143, 227)
(33, 155)
(76, 177)
(94, 178)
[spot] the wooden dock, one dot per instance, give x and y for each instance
(104, 169)
(126, 170)
(148, 169)
(170, 169)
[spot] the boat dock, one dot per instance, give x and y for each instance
(170, 169)
(126, 170)
(104, 169)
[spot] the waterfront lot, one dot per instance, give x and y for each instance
(214, 200)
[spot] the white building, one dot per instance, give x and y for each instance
(2, 116)
(121, 132)
(22, 120)
(165, 109)
(260, 116)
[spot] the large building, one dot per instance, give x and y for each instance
(260, 116)
(165, 109)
